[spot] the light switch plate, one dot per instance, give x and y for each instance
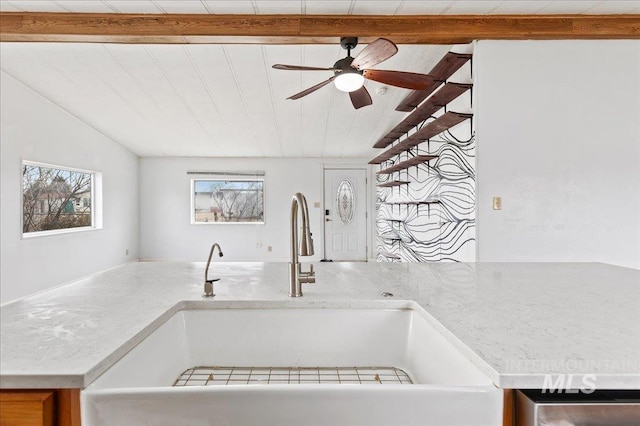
(497, 203)
(316, 205)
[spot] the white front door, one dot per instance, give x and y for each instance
(345, 203)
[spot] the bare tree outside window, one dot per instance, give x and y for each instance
(228, 201)
(54, 198)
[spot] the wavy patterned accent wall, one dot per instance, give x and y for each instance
(444, 230)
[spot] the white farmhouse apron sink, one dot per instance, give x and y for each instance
(447, 388)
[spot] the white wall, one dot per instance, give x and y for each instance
(32, 128)
(165, 222)
(558, 138)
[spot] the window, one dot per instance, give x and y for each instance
(345, 201)
(227, 201)
(56, 199)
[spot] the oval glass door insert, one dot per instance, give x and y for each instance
(346, 201)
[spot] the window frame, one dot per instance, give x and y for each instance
(192, 213)
(96, 201)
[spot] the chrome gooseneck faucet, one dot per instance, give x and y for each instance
(296, 276)
(208, 283)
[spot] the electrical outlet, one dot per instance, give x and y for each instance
(497, 203)
(316, 205)
(269, 248)
(126, 252)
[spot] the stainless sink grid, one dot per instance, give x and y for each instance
(211, 376)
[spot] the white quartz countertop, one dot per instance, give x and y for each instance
(517, 322)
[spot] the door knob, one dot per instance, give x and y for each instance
(327, 219)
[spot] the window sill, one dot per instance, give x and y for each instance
(59, 232)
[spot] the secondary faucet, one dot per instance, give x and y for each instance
(208, 283)
(305, 248)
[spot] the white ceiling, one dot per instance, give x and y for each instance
(226, 100)
(213, 100)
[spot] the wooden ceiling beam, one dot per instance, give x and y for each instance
(308, 29)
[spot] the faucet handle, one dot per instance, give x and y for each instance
(308, 277)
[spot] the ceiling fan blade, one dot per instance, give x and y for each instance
(300, 68)
(375, 52)
(311, 89)
(360, 97)
(407, 80)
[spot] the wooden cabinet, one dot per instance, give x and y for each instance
(42, 407)
(26, 408)
(508, 411)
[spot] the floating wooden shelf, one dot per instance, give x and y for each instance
(393, 183)
(418, 159)
(437, 126)
(390, 236)
(440, 73)
(390, 255)
(442, 97)
(413, 203)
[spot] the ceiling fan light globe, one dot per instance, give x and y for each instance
(349, 82)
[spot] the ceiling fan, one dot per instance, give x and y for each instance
(350, 73)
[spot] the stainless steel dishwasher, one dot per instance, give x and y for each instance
(600, 408)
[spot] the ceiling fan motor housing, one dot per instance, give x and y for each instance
(343, 66)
